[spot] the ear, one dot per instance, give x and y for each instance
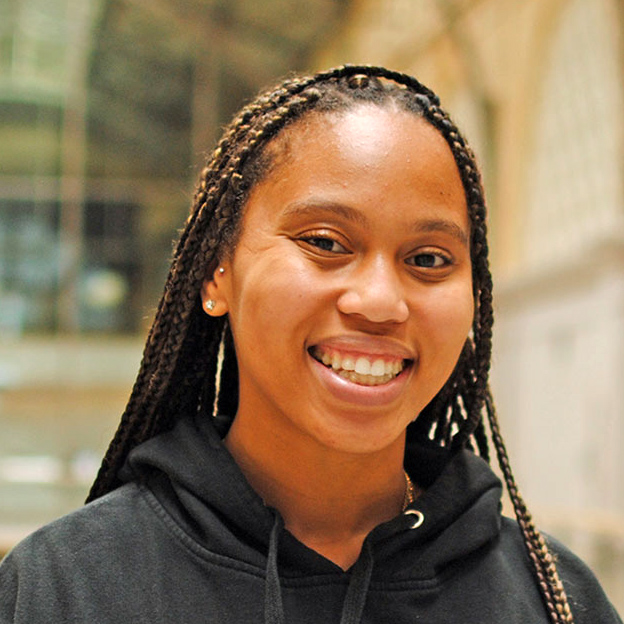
(213, 291)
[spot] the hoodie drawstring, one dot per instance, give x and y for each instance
(357, 591)
(273, 606)
(358, 587)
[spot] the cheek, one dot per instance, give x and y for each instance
(449, 316)
(272, 292)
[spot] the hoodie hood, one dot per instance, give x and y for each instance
(196, 479)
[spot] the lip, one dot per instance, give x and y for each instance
(377, 346)
(356, 394)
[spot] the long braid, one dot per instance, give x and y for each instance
(475, 360)
(549, 582)
(177, 373)
(141, 418)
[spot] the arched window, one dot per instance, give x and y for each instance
(574, 185)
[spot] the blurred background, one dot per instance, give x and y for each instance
(107, 110)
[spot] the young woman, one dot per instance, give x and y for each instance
(305, 438)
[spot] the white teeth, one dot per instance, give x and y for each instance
(365, 380)
(361, 370)
(348, 363)
(378, 368)
(363, 366)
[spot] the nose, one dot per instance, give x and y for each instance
(375, 292)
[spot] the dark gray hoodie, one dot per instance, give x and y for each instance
(186, 540)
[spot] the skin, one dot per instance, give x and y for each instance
(356, 244)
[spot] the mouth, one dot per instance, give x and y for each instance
(373, 370)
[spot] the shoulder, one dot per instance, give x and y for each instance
(78, 531)
(72, 555)
(588, 600)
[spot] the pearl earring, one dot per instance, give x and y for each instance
(221, 270)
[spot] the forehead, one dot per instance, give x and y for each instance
(364, 147)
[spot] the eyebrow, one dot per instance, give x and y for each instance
(441, 225)
(316, 206)
(319, 206)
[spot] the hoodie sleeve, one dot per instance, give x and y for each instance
(25, 596)
(68, 570)
(27, 593)
(588, 600)
(8, 590)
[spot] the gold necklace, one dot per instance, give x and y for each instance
(410, 492)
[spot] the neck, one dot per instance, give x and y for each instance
(329, 500)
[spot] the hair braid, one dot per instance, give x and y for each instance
(475, 360)
(215, 199)
(478, 392)
(549, 582)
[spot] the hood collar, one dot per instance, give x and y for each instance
(193, 475)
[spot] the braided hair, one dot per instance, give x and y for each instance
(189, 361)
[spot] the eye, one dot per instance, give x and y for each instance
(430, 260)
(323, 243)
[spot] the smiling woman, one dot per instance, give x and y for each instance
(305, 440)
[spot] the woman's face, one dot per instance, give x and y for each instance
(349, 294)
